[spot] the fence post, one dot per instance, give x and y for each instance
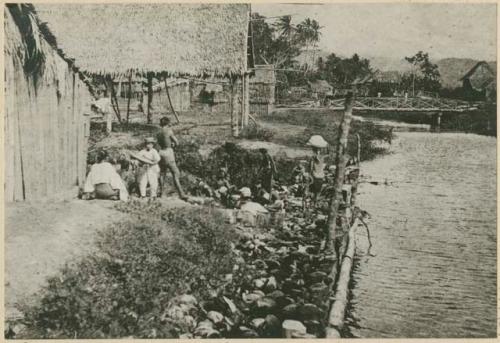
(341, 161)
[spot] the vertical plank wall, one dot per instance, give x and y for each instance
(45, 139)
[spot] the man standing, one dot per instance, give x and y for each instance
(267, 170)
(150, 170)
(167, 141)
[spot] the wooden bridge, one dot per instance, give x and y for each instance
(402, 104)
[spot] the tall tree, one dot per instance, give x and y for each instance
(424, 74)
(285, 27)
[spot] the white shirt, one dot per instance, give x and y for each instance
(151, 155)
(104, 172)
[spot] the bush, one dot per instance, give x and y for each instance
(125, 287)
(326, 123)
(255, 132)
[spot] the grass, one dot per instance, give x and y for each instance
(126, 288)
(326, 123)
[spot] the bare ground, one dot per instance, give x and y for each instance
(40, 238)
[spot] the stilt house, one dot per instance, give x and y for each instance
(163, 40)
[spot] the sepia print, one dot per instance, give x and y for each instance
(250, 170)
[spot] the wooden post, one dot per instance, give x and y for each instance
(245, 100)
(170, 102)
(150, 96)
(438, 122)
(358, 140)
(116, 108)
(341, 161)
(234, 114)
(129, 95)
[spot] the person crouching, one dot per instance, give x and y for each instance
(103, 182)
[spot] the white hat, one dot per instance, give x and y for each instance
(246, 192)
(317, 141)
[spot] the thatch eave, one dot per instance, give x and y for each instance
(197, 40)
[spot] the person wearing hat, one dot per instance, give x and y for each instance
(317, 165)
(167, 141)
(150, 170)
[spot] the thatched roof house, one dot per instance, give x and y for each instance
(480, 76)
(46, 102)
(320, 87)
(179, 39)
(481, 81)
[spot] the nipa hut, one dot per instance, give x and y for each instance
(479, 83)
(46, 112)
(320, 88)
(262, 90)
(201, 40)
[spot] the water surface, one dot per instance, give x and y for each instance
(434, 235)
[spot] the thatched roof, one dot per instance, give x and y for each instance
(481, 76)
(320, 86)
(490, 67)
(179, 39)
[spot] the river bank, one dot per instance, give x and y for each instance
(483, 121)
(62, 303)
(434, 235)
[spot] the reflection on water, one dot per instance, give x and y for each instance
(434, 236)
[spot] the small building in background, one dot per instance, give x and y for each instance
(385, 83)
(479, 83)
(320, 89)
(135, 85)
(262, 90)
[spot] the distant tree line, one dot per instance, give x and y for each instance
(280, 43)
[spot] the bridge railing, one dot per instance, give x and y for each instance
(404, 104)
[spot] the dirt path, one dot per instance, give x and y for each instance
(40, 238)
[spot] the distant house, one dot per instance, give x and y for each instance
(320, 88)
(297, 91)
(387, 83)
(189, 40)
(122, 86)
(479, 83)
(262, 90)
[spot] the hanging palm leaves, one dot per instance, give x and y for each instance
(33, 55)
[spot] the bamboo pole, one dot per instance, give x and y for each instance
(358, 140)
(116, 108)
(341, 161)
(150, 96)
(234, 115)
(129, 95)
(246, 100)
(337, 312)
(170, 102)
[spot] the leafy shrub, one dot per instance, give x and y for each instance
(256, 132)
(125, 287)
(326, 123)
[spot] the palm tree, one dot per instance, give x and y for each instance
(309, 32)
(285, 27)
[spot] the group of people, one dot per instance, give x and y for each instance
(308, 179)
(104, 180)
(149, 167)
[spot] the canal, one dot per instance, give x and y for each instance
(433, 227)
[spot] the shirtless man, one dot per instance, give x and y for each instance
(167, 141)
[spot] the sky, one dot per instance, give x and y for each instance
(398, 30)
